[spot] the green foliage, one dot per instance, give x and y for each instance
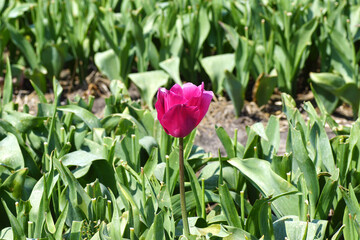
(272, 43)
(66, 174)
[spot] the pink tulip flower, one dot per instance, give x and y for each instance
(180, 110)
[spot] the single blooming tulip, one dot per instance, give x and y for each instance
(180, 110)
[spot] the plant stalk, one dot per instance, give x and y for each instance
(182, 189)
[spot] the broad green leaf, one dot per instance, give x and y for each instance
(203, 27)
(260, 174)
(84, 161)
(75, 232)
(257, 220)
(90, 119)
(39, 190)
(215, 67)
(226, 141)
(171, 66)
(135, 213)
(149, 83)
(354, 21)
(79, 158)
(282, 165)
(231, 34)
(78, 199)
(341, 54)
(238, 234)
(349, 231)
(108, 64)
(40, 214)
(265, 88)
(23, 45)
(190, 202)
(189, 143)
(228, 207)
(306, 166)
(15, 182)
(50, 226)
(115, 227)
(20, 9)
(353, 206)
(292, 228)
(156, 230)
(235, 90)
(329, 81)
(23, 122)
(338, 234)
(216, 230)
(136, 30)
(11, 155)
(112, 121)
(271, 146)
(320, 142)
(327, 196)
(195, 186)
(151, 163)
(283, 68)
(301, 39)
(326, 101)
(7, 234)
(60, 223)
(148, 143)
(259, 129)
(335, 84)
(18, 231)
(52, 59)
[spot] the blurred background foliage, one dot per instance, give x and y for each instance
(236, 46)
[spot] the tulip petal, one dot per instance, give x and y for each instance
(173, 99)
(160, 104)
(192, 93)
(190, 90)
(205, 103)
(180, 120)
(176, 89)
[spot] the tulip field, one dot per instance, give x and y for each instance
(137, 172)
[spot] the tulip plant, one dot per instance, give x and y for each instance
(179, 111)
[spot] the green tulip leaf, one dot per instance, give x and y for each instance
(149, 83)
(171, 66)
(108, 64)
(235, 90)
(15, 182)
(23, 45)
(11, 155)
(8, 86)
(265, 89)
(90, 119)
(261, 175)
(17, 229)
(292, 228)
(215, 67)
(20, 9)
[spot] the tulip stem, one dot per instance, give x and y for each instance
(182, 189)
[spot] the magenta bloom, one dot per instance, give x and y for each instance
(180, 110)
